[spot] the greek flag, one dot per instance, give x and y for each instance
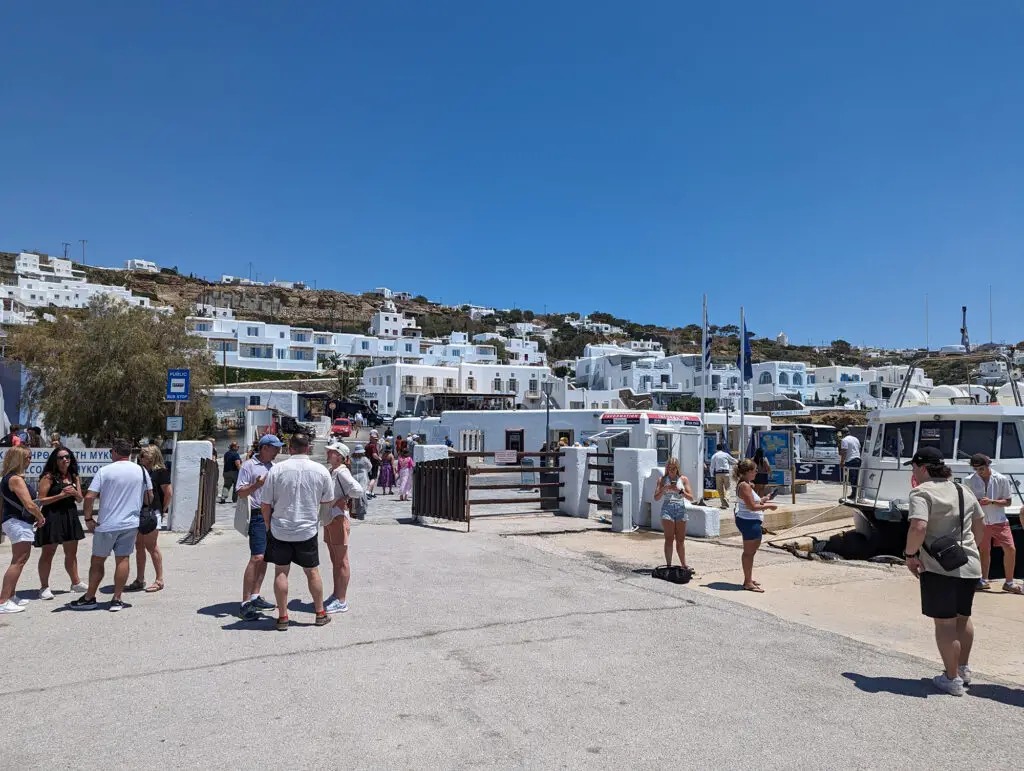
(964, 340)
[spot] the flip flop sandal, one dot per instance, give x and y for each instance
(136, 586)
(1012, 589)
(753, 588)
(156, 586)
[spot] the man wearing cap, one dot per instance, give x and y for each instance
(338, 526)
(992, 490)
(940, 509)
(251, 477)
(292, 495)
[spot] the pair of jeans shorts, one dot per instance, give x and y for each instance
(257, 533)
(674, 511)
(750, 529)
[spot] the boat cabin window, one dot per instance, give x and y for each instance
(897, 440)
(977, 436)
(938, 434)
(1011, 442)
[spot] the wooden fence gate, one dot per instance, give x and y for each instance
(439, 489)
(206, 511)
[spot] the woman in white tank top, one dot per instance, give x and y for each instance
(749, 515)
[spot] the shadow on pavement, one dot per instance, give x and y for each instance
(902, 686)
(724, 586)
(299, 605)
(220, 610)
(923, 688)
(1013, 697)
(643, 571)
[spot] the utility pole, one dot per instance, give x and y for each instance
(250, 271)
(991, 337)
(67, 246)
(83, 241)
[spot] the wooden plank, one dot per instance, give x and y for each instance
(600, 502)
(480, 501)
(478, 470)
(600, 467)
(517, 486)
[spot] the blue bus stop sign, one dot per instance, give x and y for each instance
(178, 385)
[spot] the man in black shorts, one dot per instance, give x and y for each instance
(292, 494)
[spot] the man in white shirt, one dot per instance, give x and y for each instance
(292, 494)
(849, 458)
(721, 465)
(992, 490)
(123, 489)
(338, 527)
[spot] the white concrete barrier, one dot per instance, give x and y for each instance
(703, 521)
(639, 467)
(185, 481)
(422, 452)
(576, 478)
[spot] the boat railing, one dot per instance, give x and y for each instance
(977, 356)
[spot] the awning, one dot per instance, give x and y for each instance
(610, 433)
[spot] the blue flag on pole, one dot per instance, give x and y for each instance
(743, 362)
(707, 346)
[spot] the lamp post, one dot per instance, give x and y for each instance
(547, 387)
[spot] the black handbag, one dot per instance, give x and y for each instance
(948, 550)
(673, 573)
(148, 520)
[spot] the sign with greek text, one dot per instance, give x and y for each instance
(90, 460)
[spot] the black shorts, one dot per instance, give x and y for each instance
(305, 554)
(946, 596)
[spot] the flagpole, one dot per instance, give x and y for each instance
(743, 370)
(704, 392)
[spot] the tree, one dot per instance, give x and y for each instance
(348, 381)
(561, 372)
(500, 350)
(840, 346)
(690, 404)
(842, 398)
(102, 374)
(420, 299)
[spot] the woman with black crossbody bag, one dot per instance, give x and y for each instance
(946, 523)
(151, 464)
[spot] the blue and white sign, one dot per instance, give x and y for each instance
(178, 385)
(175, 424)
(778, 453)
(90, 460)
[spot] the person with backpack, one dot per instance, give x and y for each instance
(946, 525)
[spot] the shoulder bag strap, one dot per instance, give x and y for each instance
(960, 495)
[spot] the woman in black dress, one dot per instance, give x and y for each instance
(764, 472)
(60, 492)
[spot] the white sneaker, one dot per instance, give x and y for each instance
(46, 594)
(954, 687)
(335, 605)
(21, 601)
(965, 673)
(79, 587)
(11, 607)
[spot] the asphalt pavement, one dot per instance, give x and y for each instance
(468, 650)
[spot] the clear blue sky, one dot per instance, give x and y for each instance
(823, 164)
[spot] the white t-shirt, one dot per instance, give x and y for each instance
(345, 486)
(997, 487)
(850, 447)
(120, 487)
(721, 462)
(295, 489)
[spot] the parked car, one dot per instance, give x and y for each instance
(384, 419)
(342, 427)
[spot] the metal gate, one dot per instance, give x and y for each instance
(444, 488)
(206, 511)
(439, 489)
(605, 478)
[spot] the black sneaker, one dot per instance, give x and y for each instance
(116, 605)
(83, 603)
(247, 613)
(260, 604)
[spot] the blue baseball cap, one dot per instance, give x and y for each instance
(270, 439)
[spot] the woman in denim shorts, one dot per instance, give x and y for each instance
(749, 517)
(674, 488)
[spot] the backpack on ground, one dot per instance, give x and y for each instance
(673, 573)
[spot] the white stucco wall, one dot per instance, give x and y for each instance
(576, 478)
(639, 468)
(185, 481)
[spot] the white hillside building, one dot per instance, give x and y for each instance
(143, 266)
(391, 322)
(423, 389)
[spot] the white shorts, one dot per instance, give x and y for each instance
(18, 531)
(121, 542)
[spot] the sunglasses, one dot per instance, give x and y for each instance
(63, 457)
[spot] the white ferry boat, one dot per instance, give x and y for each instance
(949, 420)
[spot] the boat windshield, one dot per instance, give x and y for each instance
(897, 440)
